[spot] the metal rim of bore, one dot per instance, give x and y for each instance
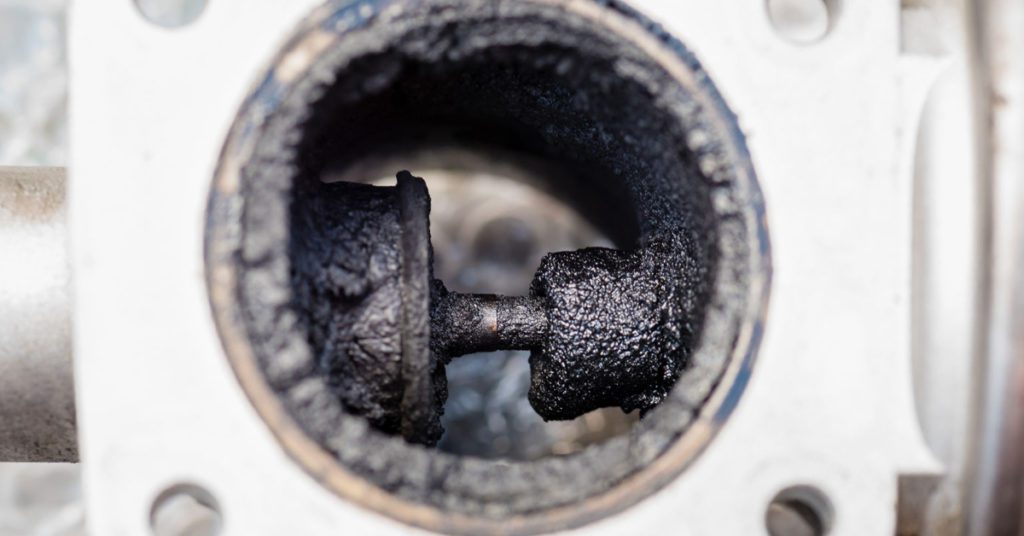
(225, 232)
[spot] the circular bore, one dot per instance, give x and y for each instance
(171, 13)
(705, 189)
(799, 511)
(186, 510)
(802, 22)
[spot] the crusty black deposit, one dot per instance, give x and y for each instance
(652, 155)
(608, 328)
(346, 267)
(619, 328)
(361, 259)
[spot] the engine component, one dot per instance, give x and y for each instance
(606, 327)
(367, 278)
(539, 79)
(819, 432)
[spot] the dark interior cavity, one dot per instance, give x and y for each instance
(622, 155)
(639, 156)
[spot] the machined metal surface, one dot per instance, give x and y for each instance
(37, 395)
(830, 137)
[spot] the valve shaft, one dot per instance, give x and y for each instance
(468, 323)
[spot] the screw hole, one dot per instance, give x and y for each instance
(802, 21)
(171, 13)
(185, 510)
(799, 511)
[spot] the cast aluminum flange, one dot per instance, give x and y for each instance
(830, 127)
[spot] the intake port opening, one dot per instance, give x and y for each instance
(596, 118)
(551, 106)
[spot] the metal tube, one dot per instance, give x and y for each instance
(996, 463)
(37, 404)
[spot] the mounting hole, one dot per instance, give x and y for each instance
(802, 21)
(171, 13)
(185, 510)
(799, 511)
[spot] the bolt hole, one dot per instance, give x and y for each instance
(171, 13)
(802, 21)
(799, 511)
(185, 510)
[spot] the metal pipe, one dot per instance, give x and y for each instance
(996, 462)
(37, 403)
